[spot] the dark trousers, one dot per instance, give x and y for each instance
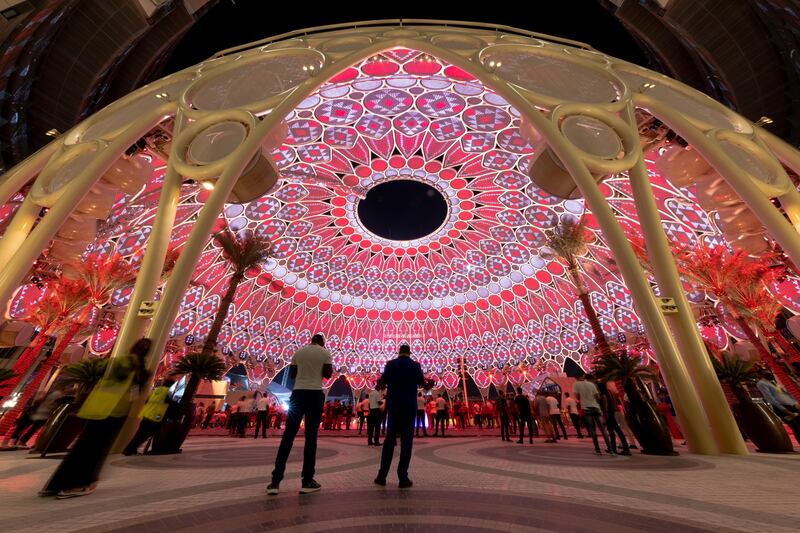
(441, 419)
(261, 423)
(557, 421)
(505, 430)
(82, 465)
(592, 419)
(302, 404)
(374, 427)
(420, 422)
(361, 419)
(147, 428)
(478, 421)
(613, 431)
(400, 423)
(576, 423)
(529, 421)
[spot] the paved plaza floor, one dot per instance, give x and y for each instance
(461, 484)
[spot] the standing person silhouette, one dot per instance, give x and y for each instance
(401, 376)
(309, 365)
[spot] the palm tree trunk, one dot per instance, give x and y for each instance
(599, 337)
(191, 389)
(774, 367)
(25, 360)
(11, 417)
(222, 312)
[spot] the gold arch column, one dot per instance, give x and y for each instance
(691, 348)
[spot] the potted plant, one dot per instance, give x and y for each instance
(761, 425)
(647, 424)
(178, 422)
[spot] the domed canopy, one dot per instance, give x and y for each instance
(426, 104)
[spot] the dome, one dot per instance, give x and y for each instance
(469, 111)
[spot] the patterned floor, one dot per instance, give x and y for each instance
(460, 484)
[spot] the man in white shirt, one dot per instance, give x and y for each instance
(374, 418)
(309, 365)
(420, 421)
(262, 413)
(555, 416)
(586, 392)
(441, 415)
(572, 408)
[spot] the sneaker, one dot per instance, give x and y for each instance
(598, 452)
(272, 489)
(47, 493)
(380, 481)
(625, 452)
(633, 447)
(309, 487)
(74, 493)
(610, 452)
(405, 484)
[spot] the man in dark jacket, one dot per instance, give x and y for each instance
(524, 414)
(402, 376)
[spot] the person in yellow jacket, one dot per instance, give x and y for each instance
(105, 411)
(152, 415)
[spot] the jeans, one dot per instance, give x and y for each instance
(400, 422)
(576, 423)
(592, 419)
(302, 404)
(147, 429)
(374, 427)
(505, 433)
(420, 422)
(557, 421)
(441, 419)
(261, 423)
(522, 421)
(613, 431)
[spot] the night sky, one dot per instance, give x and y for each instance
(232, 23)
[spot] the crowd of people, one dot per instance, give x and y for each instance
(400, 406)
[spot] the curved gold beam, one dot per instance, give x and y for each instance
(19, 263)
(778, 227)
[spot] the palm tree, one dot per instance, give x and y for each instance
(623, 369)
(648, 425)
(568, 241)
(756, 419)
(87, 284)
(242, 253)
(740, 283)
(199, 367)
(85, 374)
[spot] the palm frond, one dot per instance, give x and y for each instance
(84, 373)
(568, 240)
(203, 365)
(243, 252)
(102, 275)
(731, 369)
(622, 367)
